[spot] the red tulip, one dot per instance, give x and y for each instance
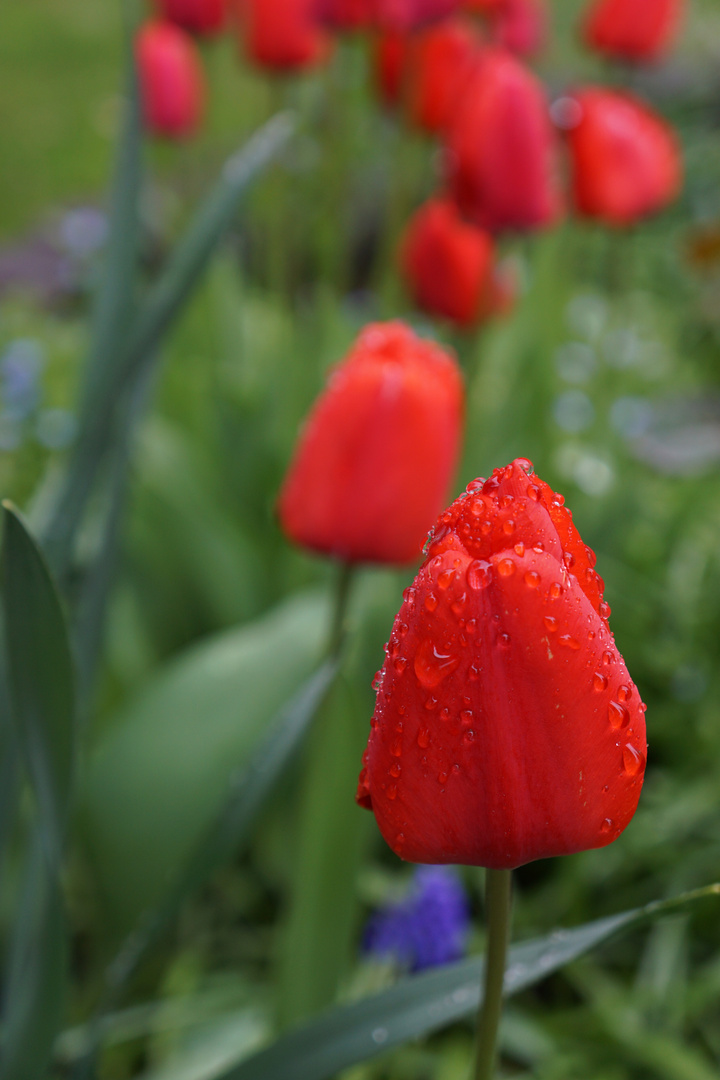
(172, 84)
(625, 158)
(450, 265)
(197, 16)
(410, 14)
(390, 51)
(521, 26)
(438, 64)
(507, 727)
(284, 35)
(632, 29)
(501, 159)
(345, 14)
(377, 454)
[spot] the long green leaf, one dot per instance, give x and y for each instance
(162, 306)
(37, 964)
(422, 1004)
(40, 675)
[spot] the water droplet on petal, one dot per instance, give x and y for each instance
(431, 601)
(606, 825)
(423, 739)
(633, 760)
(568, 559)
(556, 590)
(531, 579)
(457, 605)
(599, 682)
(392, 791)
(569, 642)
(504, 641)
(533, 492)
(400, 664)
(395, 769)
(471, 626)
(444, 578)
(396, 748)
(433, 664)
(550, 622)
(509, 527)
(604, 609)
(607, 658)
(618, 714)
(624, 692)
(479, 574)
(442, 778)
(506, 567)
(590, 555)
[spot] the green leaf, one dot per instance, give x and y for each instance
(40, 675)
(157, 314)
(422, 1004)
(157, 780)
(36, 972)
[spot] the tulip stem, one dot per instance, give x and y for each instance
(341, 595)
(497, 913)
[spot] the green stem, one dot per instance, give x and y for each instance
(339, 615)
(497, 902)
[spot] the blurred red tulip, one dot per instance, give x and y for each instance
(501, 148)
(390, 51)
(450, 265)
(378, 451)
(172, 83)
(345, 14)
(626, 160)
(284, 35)
(632, 29)
(410, 14)
(197, 16)
(506, 727)
(438, 64)
(521, 26)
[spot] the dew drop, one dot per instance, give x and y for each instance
(423, 738)
(431, 601)
(431, 703)
(519, 549)
(624, 692)
(473, 673)
(599, 682)
(469, 737)
(607, 658)
(569, 642)
(444, 715)
(400, 664)
(471, 626)
(396, 748)
(433, 664)
(392, 791)
(504, 641)
(444, 578)
(618, 714)
(506, 567)
(507, 500)
(633, 760)
(466, 717)
(442, 778)
(531, 579)
(409, 596)
(568, 559)
(555, 590)
(551, 623)
(395, 769)
(533, 492)
(479, 574)
(509, 527)
(604, 609)
(456, 769)
(457, 605)
(606, 825)
(485, 527)
(590, 555)
(399, 841)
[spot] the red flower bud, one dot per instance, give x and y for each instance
(284, 35)
(172, 84)
(625, 158)
(378, 451)
(438, 64)
(632, 29)
(521, 26)
(345, 14)
(507, 727)
(501, 158)
(390, 51)
(197, 16)
(407, 15)
(450, 265)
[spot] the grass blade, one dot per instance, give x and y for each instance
(425, 1003)
(40, 675)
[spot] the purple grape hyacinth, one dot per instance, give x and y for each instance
(426, 929)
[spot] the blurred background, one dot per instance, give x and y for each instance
(605, 373)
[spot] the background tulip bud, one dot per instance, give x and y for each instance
(501, 153)
(632, 29)
(172, 83)
(507, 727)
(625, 158)
(378, 452)
(438, 64)
(284, 35)
(449, 264)
(389, 54)
(197, 16)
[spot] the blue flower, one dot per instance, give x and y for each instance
(428, 928)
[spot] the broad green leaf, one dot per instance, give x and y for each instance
(36, 971)
(156, 781)
(157, 314)
(424, 1003)
(40, 675)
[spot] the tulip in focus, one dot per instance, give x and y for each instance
(625, 159)
(283, 35)
(501, 148)
(635, 30)
(172, 83)
(507, 727)
(196, 16)
(449, 265)
(378, 452)
(438, 64)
